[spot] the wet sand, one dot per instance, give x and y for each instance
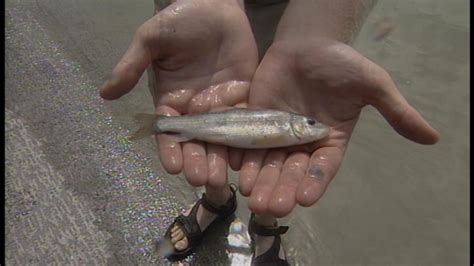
(393, 202)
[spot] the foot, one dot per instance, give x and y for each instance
(265, 234)
(264, 243)
(203, 217)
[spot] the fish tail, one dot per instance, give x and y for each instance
(147, 125)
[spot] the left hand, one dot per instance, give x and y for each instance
(203, 56)
(331, 82)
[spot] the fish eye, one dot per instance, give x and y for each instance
(311, 121)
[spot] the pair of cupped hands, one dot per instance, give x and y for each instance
(204, 57)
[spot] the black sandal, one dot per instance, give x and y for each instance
(271, 256)
(190, 227)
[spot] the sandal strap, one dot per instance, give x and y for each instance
(267, 231)
(264, 2)
(189, 225)
(224, 210)
(262, 230)
(270, 257)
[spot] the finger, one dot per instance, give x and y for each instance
(223, 94)
(178, 99)
(235, 158)
(400, 114)
(241, 105)
(283, 198)
(217, 165)
(169, 150)
(232, 93)
(322, 167)
(266, 181)
(130, 68)
(200, 103)
(195, 163)
(251, 164)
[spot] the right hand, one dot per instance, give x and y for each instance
(203, 56)
(332, 82)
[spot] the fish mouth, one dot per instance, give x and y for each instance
(325, 131)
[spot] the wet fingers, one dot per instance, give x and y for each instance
(195, 163)
(251, 164)
(283, 199)
(217, 165)
(130, 67)
(322, 167)
(235, 158)
(266, 181)
(169, 150)
(407, 121)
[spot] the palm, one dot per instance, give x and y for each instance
(200, 59)
(331, 82)
(197, 47)
(327, 85)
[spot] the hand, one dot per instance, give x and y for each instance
(332, 82)
(203, 56)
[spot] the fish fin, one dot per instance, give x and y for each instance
(147, 126)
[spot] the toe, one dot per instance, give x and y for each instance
(175, 227)
(182, 244)
(174, 233)
(177, 237)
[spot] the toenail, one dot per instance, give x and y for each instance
(179, 245)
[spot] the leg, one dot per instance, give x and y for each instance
(217, 197)
(265, 234)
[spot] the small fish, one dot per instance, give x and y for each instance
(238, 127)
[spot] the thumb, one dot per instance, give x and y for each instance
(400, 114)
(130, 68)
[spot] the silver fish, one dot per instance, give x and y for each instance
(238, 127)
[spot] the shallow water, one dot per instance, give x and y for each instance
(79, 193)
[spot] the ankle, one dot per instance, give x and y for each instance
(218, 196)
(265, 220)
